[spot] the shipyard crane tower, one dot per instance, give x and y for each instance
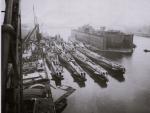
(34, 36)
(11, 58)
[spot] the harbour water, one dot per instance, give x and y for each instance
(127, 94)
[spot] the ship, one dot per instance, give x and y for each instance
(55, 66)
(76, 71)
(85, 62)
(68, 61)
(104, 62)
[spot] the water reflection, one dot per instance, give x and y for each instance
(119, 77)
(77, 79)
(61, 105)
(81, 83)
(115, 56)
(100, 82)
(130, 96)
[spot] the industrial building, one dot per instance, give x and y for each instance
(110, 40)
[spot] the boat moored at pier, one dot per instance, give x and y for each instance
(55, 66)
(85, 62)
(104, 62)
(77, 72)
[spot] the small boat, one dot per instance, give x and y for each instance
(146, 50)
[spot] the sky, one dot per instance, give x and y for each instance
(67, 14)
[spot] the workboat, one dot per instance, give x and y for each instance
(85, 62)
(55, 66)
(104, 62)
(77, 72)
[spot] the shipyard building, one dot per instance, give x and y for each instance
(110, 40)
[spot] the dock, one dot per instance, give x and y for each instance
(37, 95)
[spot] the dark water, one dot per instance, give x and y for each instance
(130, 95)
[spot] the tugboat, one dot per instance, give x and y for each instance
(77, 72)
(106, 63)
(88, 64)
(55, 66)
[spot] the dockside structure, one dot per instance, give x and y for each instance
(102, 39)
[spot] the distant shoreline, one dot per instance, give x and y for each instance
(142, 35)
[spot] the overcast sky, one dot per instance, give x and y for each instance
(78, 12)
(72, 13)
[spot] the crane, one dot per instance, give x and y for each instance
(12, 58)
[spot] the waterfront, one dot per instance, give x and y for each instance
(34, 57)
(130, 95)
